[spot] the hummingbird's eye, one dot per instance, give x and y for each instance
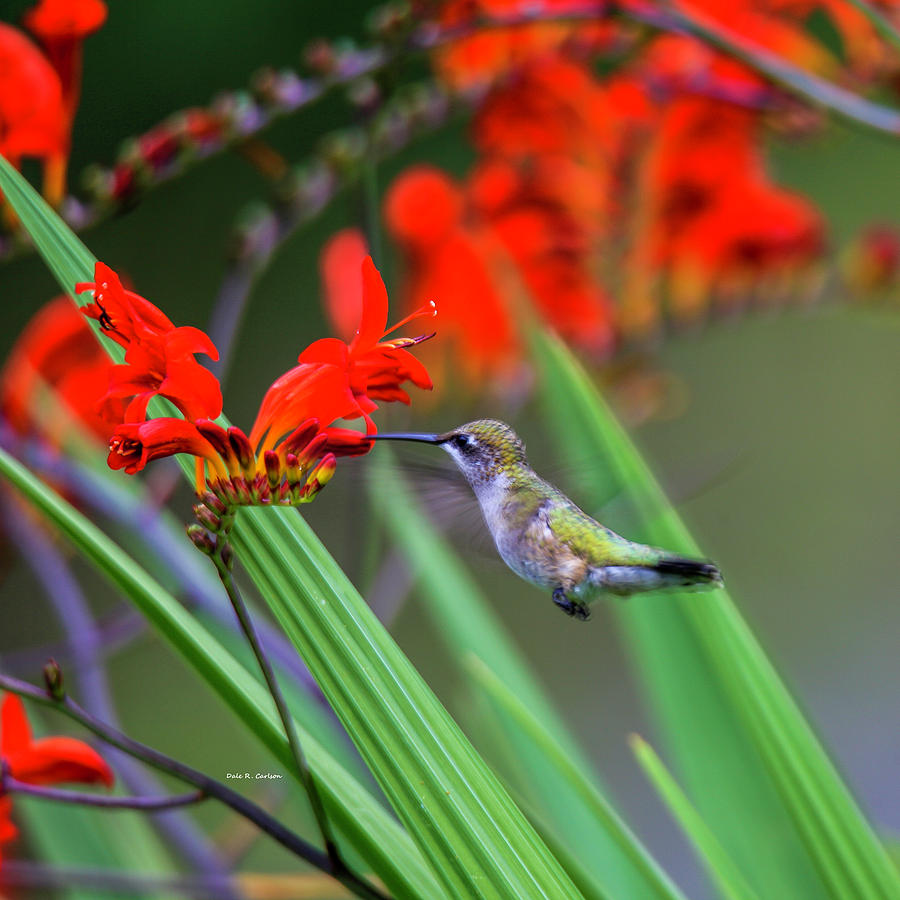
(463, 442)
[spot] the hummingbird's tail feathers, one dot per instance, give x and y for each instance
(665, 574)
(681, 572)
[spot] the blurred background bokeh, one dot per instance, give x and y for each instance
(774, 429)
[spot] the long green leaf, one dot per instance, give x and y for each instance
(753, 765)
(722, 870)
(356, 813)
(466, 623)
(655, 882)
(477, 841)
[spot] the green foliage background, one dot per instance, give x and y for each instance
(804, 524)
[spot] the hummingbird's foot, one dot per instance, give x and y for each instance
(571, 607)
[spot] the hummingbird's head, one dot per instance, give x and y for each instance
(482, 449)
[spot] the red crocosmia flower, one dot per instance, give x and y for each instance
(376, 368)
(134, 444)
(781, 27)
(159, 358)
(61, 26)
(50, 760)
(447, 258)
(712, 220)
(39, 91)
(290, 452)
(309, 390)
(550, 105)
(124, 316)
(33, 118)
(493, 245)
(55, 376)
(164, 365)
(46, 760)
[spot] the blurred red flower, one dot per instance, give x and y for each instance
(46, 760)
(871, 264)
(39, 91)
(711, 221)
(447, 255)
(51, 760)
(603, 199)
(55, 377)
(62, 26)
(33, 119)
(482, 55)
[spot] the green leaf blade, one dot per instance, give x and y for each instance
(468, 626)
(736, 733)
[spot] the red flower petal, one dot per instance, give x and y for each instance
(57, 351)
(15, 733)
(59, 759)
(61, 19)
(133, 445)
(374, 309)
(186, 340)
(48, 760)
(33, 119)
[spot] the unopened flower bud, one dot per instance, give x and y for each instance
(273, 468)
(297, 440)
(201, 539)
(240, 445)
(227, 555)
(292, 469)
(53, 679)
(214, 434)
(207, 518)
(312, 449)
(324, 471)
(214, 503)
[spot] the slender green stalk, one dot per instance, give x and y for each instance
(656, 880)
(222, 560)
(727, 876)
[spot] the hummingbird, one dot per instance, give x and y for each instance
(544, 537)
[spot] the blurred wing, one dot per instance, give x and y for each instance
(448, 500)
(621, 510)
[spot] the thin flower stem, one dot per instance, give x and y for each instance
(809, 87)
(144, 804)
(209, 786)
(246, 622)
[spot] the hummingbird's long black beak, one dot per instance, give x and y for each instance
(410, 436)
